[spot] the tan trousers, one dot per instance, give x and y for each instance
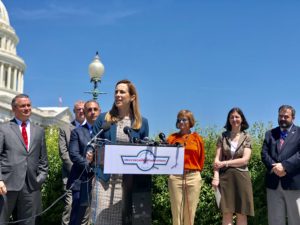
(184, 196)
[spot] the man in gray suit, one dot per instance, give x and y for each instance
(64, 139)
(23, 164)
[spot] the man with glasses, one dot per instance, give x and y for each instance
(80, 177)
(64, 139)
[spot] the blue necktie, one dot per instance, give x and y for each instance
(283, 135)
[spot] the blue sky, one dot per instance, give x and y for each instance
(206, 56)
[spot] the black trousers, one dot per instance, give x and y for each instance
(137, 201)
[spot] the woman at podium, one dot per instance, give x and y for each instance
(185, 189)
(112, 197)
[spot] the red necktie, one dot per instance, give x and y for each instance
(281, 142)
(24, 134)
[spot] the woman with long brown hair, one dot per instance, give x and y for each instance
(114, 201)
(231, 173)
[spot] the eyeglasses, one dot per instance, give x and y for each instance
(79, 109)
(92, 109)
(183, 120)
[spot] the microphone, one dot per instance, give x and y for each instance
(145, 141)
(127, 130)
(162, 137)
(136, 140)
(103, 128)
(149, 142)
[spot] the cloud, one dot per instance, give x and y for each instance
(58, 12)
(113, 17)
(51, 12)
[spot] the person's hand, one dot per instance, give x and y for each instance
(89, 156)
(215, 182)
(278, 169)
(219, 164)
(3, 190)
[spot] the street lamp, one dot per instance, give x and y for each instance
(96, 69)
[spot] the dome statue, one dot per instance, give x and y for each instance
(3, 14)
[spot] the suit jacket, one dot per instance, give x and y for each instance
(288, 155)
(80, 136)
(225, 143)
(111, 133)
(18, 166)
(64, 139)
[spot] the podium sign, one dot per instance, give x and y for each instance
(142, 159)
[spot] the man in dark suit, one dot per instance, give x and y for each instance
(64, 139)
(281, 156)
(80, 177)
(23, 164)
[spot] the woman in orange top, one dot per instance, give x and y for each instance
(185, 189)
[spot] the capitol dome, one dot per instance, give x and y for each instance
(12, 67)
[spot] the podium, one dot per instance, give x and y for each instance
(137, 163)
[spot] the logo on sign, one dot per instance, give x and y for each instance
(145, 160)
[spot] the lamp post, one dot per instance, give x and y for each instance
(96, 70)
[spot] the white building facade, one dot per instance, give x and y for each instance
(12, 68)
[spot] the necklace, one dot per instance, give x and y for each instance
(234, 135)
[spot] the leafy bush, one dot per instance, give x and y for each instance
(207, 212)
(52, 189)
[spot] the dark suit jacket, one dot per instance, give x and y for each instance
(16, 164)
(80, 136)
(64, 139)
(288, 155)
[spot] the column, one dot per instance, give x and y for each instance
(3, 41)
(8, 45)
(8, 77)
(21, 82)
(1, 75)
(18, 80)
(15, 80)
